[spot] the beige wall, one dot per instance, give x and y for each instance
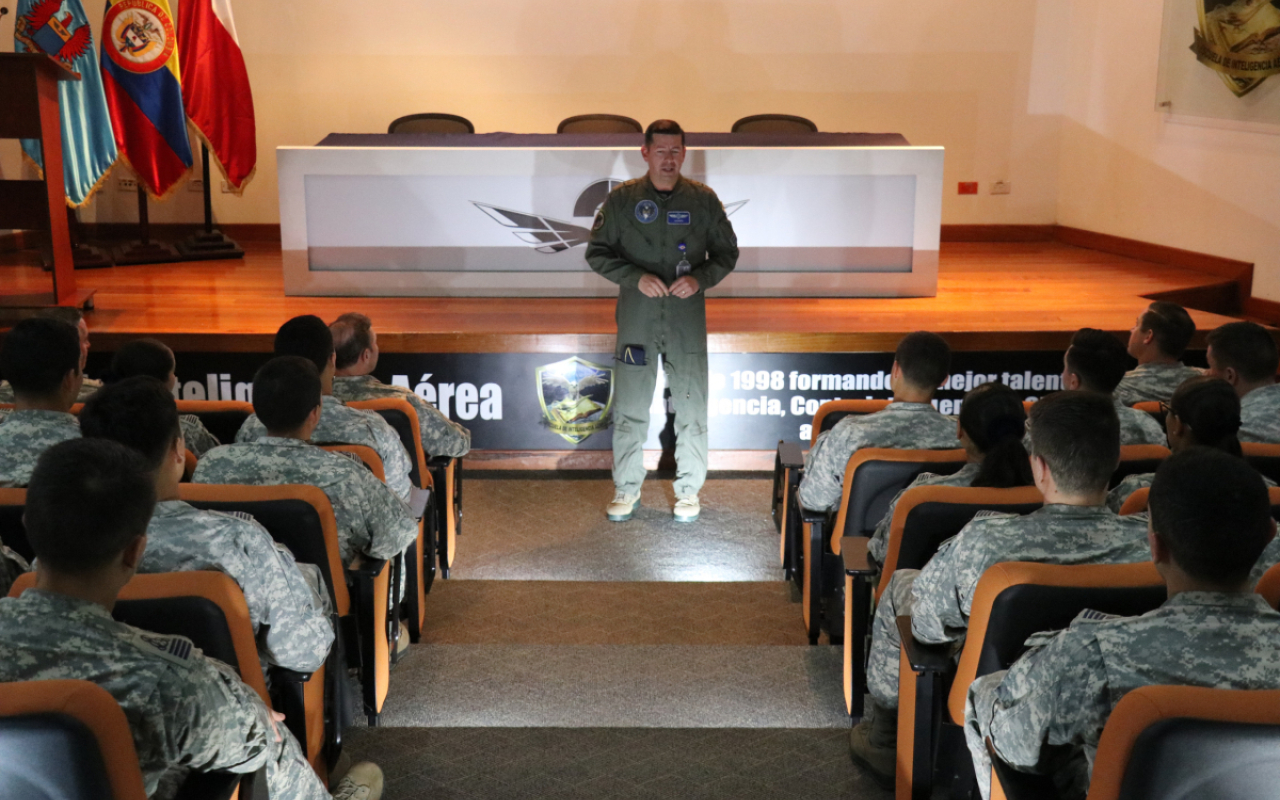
(1128, 171)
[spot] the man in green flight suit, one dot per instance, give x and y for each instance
(664, 239)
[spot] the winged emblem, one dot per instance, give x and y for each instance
(545, 234)
(42, 30)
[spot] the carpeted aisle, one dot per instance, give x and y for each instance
(572, 657)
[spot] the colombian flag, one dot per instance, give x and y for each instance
(144, 91)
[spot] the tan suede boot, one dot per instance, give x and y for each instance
(873, 743)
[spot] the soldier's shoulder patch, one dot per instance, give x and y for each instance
(242, 516)
(631, 182)
(188, 417)
(1090, 615)
(990, 514)
(598, 222)
(349, 455)
(174, 649)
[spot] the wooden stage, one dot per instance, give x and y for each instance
(991, 296)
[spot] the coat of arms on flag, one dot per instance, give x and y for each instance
(42, 30)
(1240, 40)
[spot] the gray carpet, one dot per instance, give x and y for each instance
(595, 686)
(537, 529)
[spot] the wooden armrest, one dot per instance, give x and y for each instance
(363, 565)
(790, 456)
(282, 675)
(857, 558)
(923, 657)
(813, 516)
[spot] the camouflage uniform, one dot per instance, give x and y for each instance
(196, 436)
(1269, 558)
(1139, 427)
(625, 246)
(24, 435)
(440, 436)
(1062, 692)
(1260, 415)
(342, 425)
(186, 711)
(940, 596)
(907, 426)
(371, 519)
(297, 633)
(11, 566)
(88, 387)
(1149, 382)
(1141, 480)
(879, 544)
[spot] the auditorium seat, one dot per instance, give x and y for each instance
(599, 123)
(189, 465)
(788, 469)
(1265, 458)
(1137, 459)
(774, 123)
(872, 478)
(301, 518)
(1013, 600)
(924, 518)
(1174, 743)
(1269, 585)
(13, 533)
(431, 123)
(1153, 407)
(222, 418)
(1136, 503)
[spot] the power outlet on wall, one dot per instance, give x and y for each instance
(127, 184)
(195, 185)
(1001, 187)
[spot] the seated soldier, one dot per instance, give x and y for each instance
(910, 422)
(86, 514)
(74, 318)
(1204, 412)
(356, 346)
(1157, 340)
(153, 358)
(289, 610)
(1095, 363)
(1075, 446)
(371, 519)
(309, 337)
(990, 430)
(41, 358)
(1244, 355)
(1209, 520)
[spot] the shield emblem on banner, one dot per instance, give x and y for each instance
(576, 397)
(1240, 40)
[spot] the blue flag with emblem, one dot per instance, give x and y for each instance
(60, 29)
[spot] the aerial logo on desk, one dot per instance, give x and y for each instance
(42, 30)
(550, 235)
(576, 397)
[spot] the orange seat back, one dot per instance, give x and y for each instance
(1136, 503)
(367, 455)
(859, 407)
(412, 443)
(955, 458)
(1269, 586)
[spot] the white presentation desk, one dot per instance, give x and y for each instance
(508, 215)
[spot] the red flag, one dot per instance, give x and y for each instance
(215, 87)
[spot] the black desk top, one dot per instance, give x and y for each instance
(620, 140)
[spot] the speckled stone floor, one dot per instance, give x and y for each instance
(571, 657)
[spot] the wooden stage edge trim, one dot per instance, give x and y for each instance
(717, 460)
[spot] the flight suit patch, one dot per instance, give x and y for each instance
(679, 218)
(646, 211)
(598, 223)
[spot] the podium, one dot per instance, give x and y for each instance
(29, 110)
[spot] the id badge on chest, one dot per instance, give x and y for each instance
(683, 267)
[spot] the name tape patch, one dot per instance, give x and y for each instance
(679, 218)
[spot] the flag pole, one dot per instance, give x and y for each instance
(144, 251)
(212, 243)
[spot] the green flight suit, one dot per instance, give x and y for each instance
(638, 230)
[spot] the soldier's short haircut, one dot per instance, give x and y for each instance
(285, 390)
(352, 335)
(1078, 436)
(1098, 358)
(662, 127)
(138, 412)
(68, 314)
(1213, 513)
(1171, 325)
(88, 499)
(1247, 348)
(1212, 409)
(924, 358)
(150, 357)
(37, 354)
(305, 336)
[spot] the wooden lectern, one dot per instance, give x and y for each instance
(29, 110)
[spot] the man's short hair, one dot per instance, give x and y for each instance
(1213, 513)
(352, 335)
(1247, 348)
(138, 412)
(285, 390)
(1078, 436)
(1171, 325)
(305, 336)
(662, 127)
(150, 357)
(68, 314)
(1098, 358)
(924, 358)
(88, 499)
(38, 353)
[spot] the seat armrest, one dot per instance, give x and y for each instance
(857, 558)
(282, 675)
(369, 567)
(790, 456)
(439, 461)
(923, 657)
(223, 785)
(1019, 785)
(813, 516)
